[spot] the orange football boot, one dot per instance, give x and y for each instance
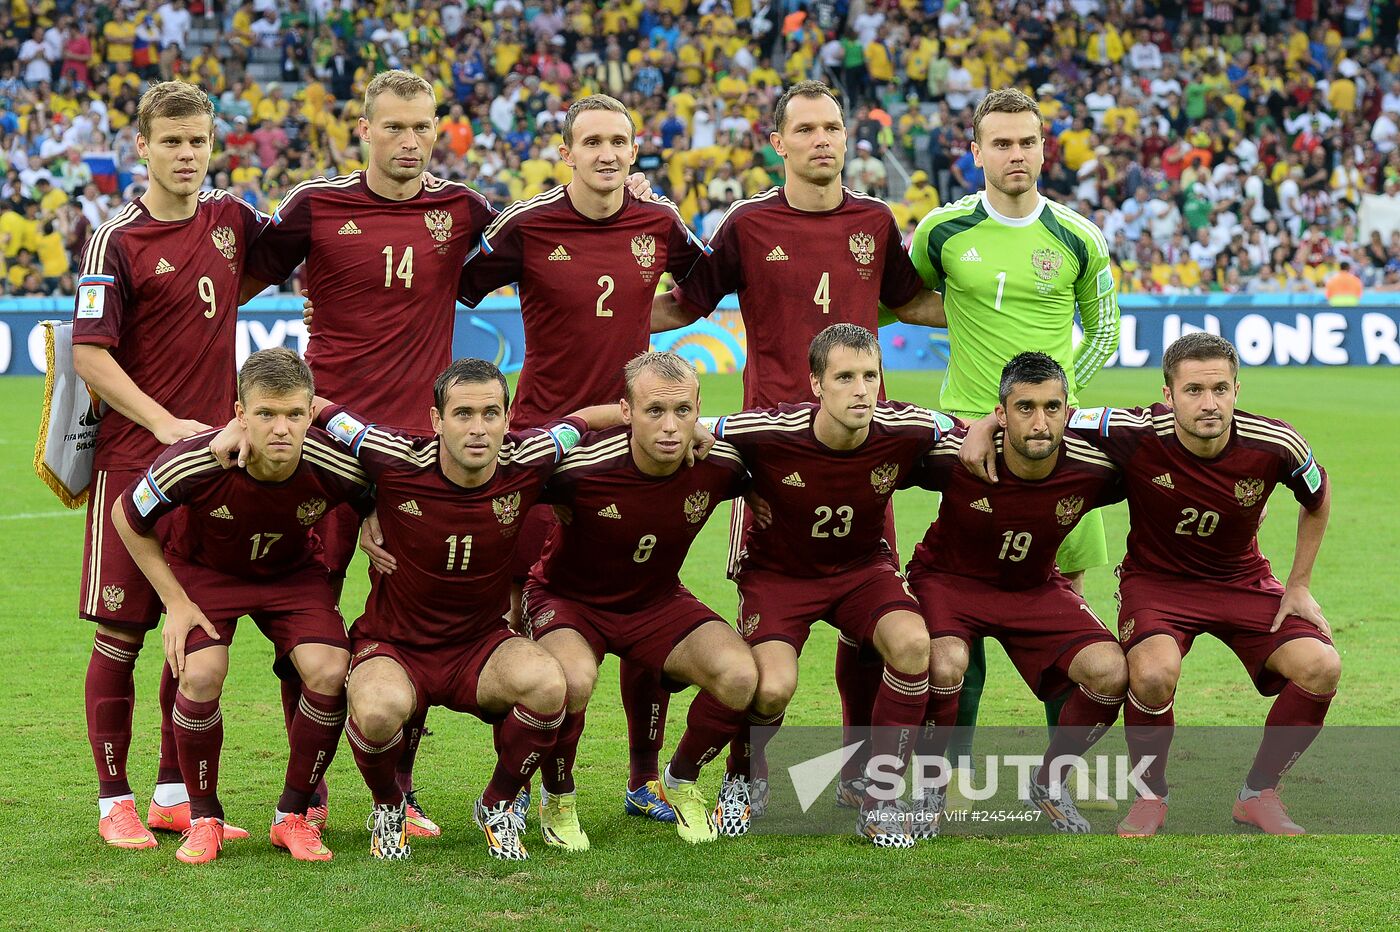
(1266, 812)
(122, 828)
(301, 839)
(202, 841)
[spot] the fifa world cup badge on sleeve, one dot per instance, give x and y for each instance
(1105, 282)
(1088, 418)
(90, 299)
(1313, 476)
(566, 436)
(944, 422)
(144, 497)
(344, 428)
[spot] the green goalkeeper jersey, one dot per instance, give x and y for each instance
(1012, 285)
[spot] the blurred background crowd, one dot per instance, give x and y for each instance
(1222, 145)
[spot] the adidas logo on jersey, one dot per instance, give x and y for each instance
(163, 266)
(982, 505)
(349, 229)
(560, 254)
(222, 512)
(795, 481)
(410, 507)
(972, 255)
(1164, 480)
(610, 512)
(777, 255)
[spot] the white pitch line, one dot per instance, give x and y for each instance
(30, 515)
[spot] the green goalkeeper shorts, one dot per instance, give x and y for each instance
(1086, 546)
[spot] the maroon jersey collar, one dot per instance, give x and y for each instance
(627, 200)
(845, 199)
(369, 192)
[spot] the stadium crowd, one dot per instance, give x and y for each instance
(1222, 145)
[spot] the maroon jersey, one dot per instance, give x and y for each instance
(383, 276)
(630, 532)
(1197, 517)
(226, 520)
(1007, 534)
(162, 296)
(796, 273)
(829, 506)
(453, 545)
(586, 288)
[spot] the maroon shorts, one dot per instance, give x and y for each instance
(339, 531)
(1042, 629)
(539, 522)
(773, 607)
(114, 591)
(645, 637)
(295, 609)
(445, 675)
(1240, 615)
(740, 519)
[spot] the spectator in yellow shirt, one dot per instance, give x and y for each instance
(119, 37)
(920, 195)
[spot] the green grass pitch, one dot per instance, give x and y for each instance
(56, 874)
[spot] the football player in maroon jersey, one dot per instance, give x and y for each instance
(801, 256)
(153, 336)
(582, 329)
(986, 568)
(243, 544)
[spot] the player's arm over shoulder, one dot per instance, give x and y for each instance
(180, 469)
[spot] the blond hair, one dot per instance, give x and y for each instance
(404, 85)
(666, 366)
(172, 100)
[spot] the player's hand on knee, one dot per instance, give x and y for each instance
(307, 308)
(761, 510)
(639, 186)
(372, 543)
(1297, 600)
(180, 620)
(230, 446)
(979, 451)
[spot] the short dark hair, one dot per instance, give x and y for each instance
(469, 371)
(812, 90)
(851, 336)
(277, 371)
(1198, 347)
(1030, 369)
(1005, 100)
(595, 102)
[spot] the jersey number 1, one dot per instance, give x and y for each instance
(1001, 286)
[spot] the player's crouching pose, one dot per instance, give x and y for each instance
(434, 629)
(243, 544)
(608, 582)
(986, 568)
(1198, 474)
(827, 471)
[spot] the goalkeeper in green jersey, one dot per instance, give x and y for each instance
(1013, 267)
